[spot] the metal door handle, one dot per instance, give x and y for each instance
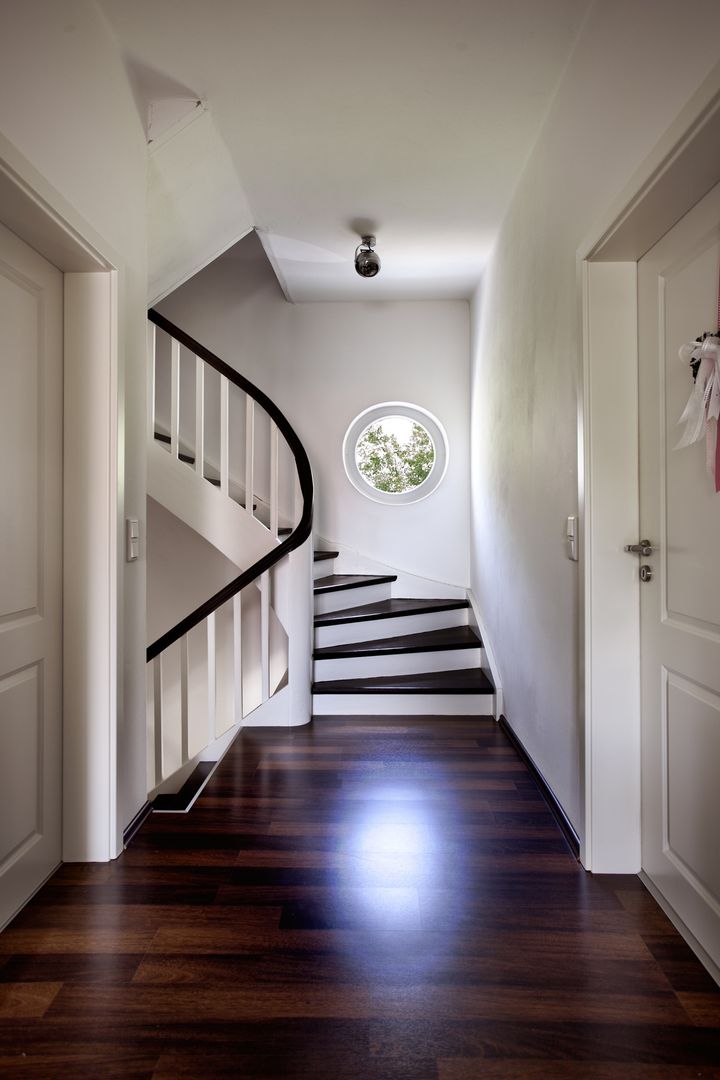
(644, 548)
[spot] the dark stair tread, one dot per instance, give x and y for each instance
(396, 607)
(340, 582)
(321, 556)
(464, 681)
(451, 637)
(284, 530)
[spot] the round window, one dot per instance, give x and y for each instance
(395, 452)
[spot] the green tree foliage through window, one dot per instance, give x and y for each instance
(395, 454)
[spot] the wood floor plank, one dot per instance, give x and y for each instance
(350, 1001)
(27, 999)
(469, 1069)
(50, 941)
(703, 1009)
(381, 897)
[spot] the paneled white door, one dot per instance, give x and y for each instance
(31, 387)
(680, 606)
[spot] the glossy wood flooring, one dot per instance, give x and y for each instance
(356, 900)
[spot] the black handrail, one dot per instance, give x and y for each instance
(299, 534)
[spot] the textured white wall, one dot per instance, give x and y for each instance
(629, 76)
(323, 364)
(66, 105)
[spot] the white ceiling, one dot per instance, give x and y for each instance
(409, 118)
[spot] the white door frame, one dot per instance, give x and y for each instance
(681, 170)
(92, 511)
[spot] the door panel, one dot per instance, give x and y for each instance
(680, 607)
(692, 806)
(31, 562)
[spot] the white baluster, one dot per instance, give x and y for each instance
(274, 475)
(199, 416)
(158, 718)
(265, 635)
(249, 452)
(237, 657)
(152, 348)
(184, 722)
(224, 434)
(211, 674)
(174, 397)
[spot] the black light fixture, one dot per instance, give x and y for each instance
(367, 261)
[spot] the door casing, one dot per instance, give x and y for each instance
(92, 509)
(678, 173)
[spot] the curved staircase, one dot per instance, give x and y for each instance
(384, 655)
(243, 655)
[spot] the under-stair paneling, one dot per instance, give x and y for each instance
(198, 689)
(171, 709)
(225, 714)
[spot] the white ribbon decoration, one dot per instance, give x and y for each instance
(704, 401)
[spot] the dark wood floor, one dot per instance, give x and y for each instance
(355, 900)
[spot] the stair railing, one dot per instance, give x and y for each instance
(187, 655)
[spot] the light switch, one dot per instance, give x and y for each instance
(572, 538)
(132, 539)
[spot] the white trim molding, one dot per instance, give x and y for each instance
(92, 502)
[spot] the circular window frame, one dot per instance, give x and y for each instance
(379, 412)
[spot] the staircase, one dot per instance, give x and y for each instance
(377, 654)
(227, 464)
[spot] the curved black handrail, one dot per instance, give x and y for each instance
(299, 534)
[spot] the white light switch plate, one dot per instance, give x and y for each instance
(572, 538)
(132, 539)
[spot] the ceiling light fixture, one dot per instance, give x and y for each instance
(367, 261)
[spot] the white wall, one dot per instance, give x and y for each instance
(628, 78)
(323, 364)
(65, 104)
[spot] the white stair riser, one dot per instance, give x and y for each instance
(403, 704)
(373, 629)
(323, 568)
(360, 667)
(345, 598)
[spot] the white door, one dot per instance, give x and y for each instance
(30, 570)
(680, 606)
